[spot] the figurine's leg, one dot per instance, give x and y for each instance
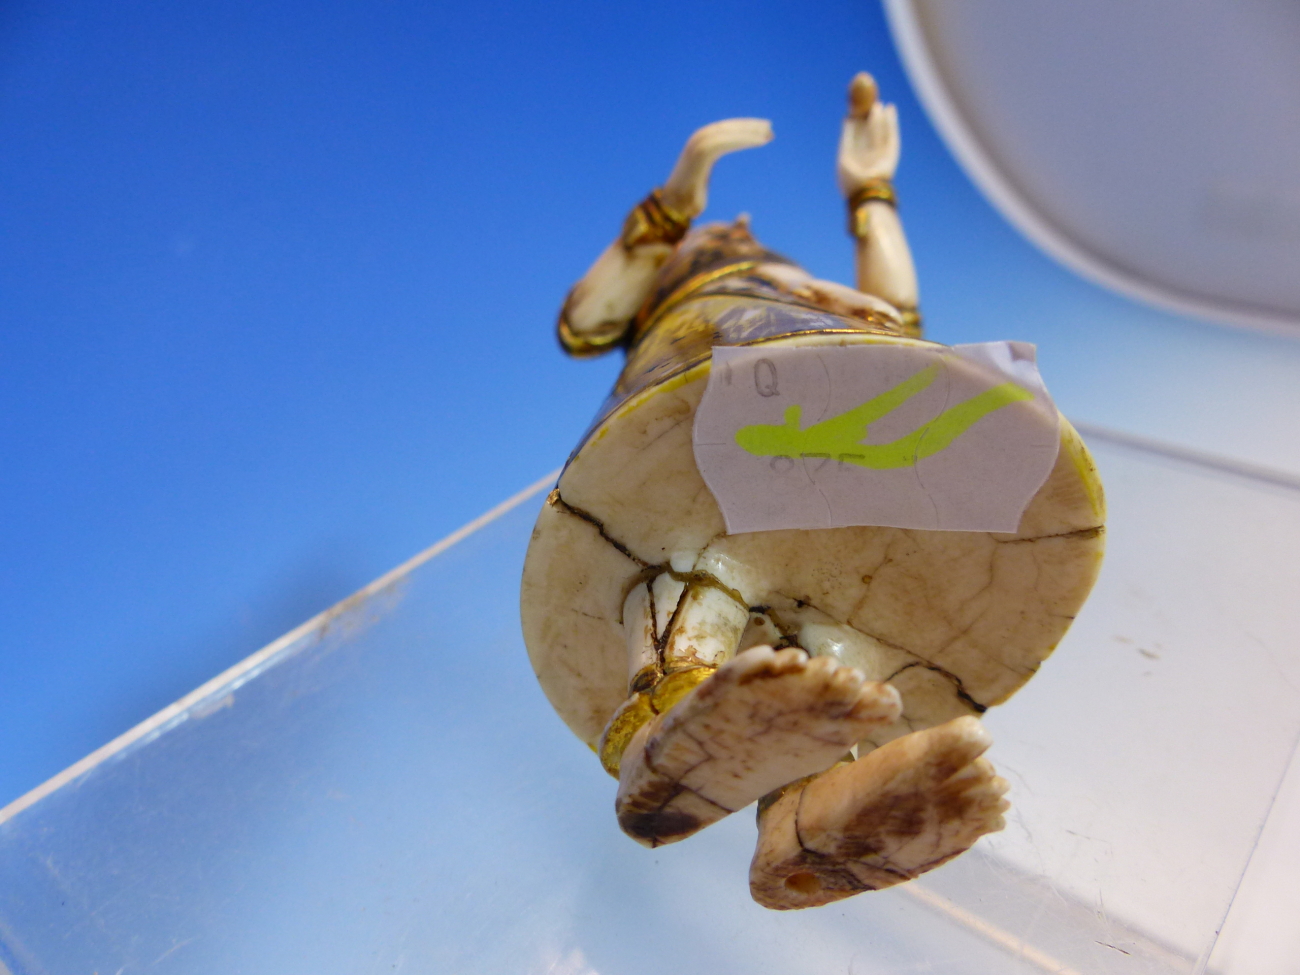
(763, 719)
(677, 636)
(893, 814)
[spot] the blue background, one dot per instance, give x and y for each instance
(278, 283)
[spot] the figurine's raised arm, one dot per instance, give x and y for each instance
(868, 156)
(599, 309)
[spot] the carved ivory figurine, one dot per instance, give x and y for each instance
(836, 675)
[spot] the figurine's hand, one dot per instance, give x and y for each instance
(869, 143)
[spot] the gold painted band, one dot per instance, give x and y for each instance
(606, 336)
(910, 318)
(653, 222)
(638, 709)
(686, 289)
(626, 722)
(878, 190)
(677, 685)
(645, 679)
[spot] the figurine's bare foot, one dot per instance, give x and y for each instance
(763, 719)
(892, 815)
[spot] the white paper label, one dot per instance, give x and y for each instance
(955, 439)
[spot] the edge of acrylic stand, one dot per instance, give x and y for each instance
(251, 666)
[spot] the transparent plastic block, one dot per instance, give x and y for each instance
(386, 789)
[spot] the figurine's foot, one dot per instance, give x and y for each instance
(763, 719)
(903, 809)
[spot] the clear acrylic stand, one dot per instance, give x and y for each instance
(385, 789)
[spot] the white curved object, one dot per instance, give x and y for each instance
(1151, 145)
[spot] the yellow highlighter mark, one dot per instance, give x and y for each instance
(839, 438)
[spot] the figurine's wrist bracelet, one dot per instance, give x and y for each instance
(597, 341)
(878, 189)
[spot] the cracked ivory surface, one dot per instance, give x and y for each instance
(957, 620)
